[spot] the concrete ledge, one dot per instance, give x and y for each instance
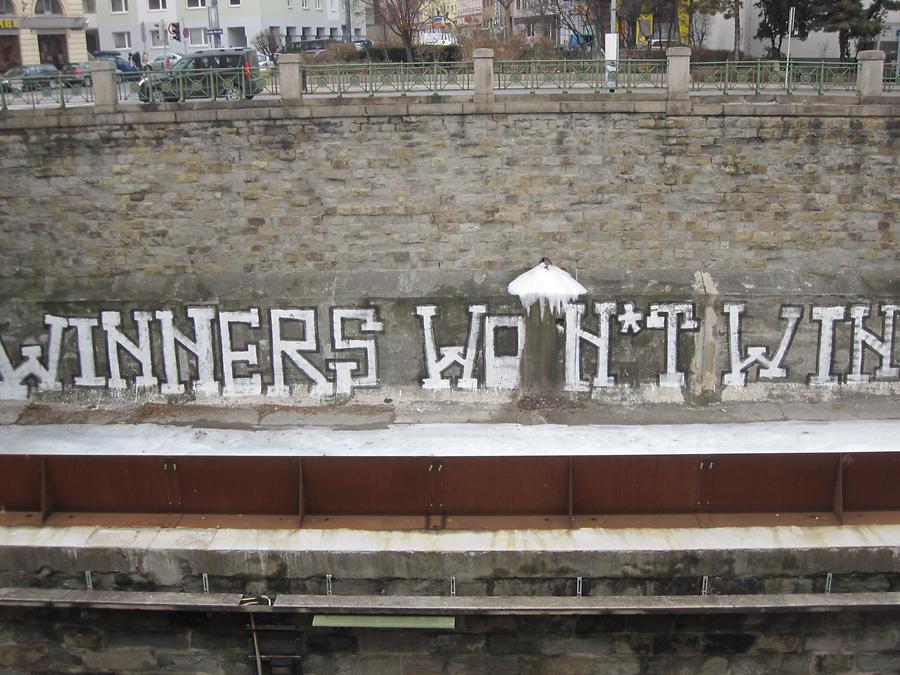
(462, 104)
(411, 605)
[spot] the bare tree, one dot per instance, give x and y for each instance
(403, 18)
(268, 42)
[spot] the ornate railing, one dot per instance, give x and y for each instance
(755, 77)
(592, 74)
(230, 84)
(58, 91)
(891, 79)
(389, 78)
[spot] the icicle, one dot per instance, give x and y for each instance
(546, 283)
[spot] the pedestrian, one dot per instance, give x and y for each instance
(136, 59)
(145, 60)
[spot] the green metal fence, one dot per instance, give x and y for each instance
(800, 77)
(891, 79)
(591, 74)
(230, 84)
(392, 78)
(54, 92)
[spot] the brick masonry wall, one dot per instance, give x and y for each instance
(596, 191)
(77, 641)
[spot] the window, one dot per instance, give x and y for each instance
(89, 6)
(47, 7)
(290, 5)
(122, 40)
(234, 3)
(157, 5)
(196, 4)
(318, 4)
(304, 4)
(197, 37)
(156, 40)
(118, 6)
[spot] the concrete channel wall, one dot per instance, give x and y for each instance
(700, 228)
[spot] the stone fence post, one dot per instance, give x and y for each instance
(869, 79)
(291, 78)
(678, 71)
(484, 75)
(103, 81)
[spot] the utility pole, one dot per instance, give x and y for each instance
(787, 69)
(348, 36)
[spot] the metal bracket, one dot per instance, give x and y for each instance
(704, 589)
(328, 589)
(452, 587)
(579, 586)
(88, 581)
(205, 583)
(828, 578)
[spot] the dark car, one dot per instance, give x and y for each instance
(30, 78)
(125, 69)
(77, 74)
(231, 74)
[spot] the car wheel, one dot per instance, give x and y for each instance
(231, 94)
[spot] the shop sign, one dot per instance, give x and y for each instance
(8, 23)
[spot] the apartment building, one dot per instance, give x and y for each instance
(131, 25)
(41, 31)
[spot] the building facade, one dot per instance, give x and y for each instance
(41, 31)
(132, 25)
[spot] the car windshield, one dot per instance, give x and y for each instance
(18, 71)
(181, 64)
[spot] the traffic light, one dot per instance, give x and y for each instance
(175, 31)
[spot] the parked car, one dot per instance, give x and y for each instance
(362, 43)
(30, 78)
(265, 62)
(101, 53)
(231, 74)
(159, 63)
(125, 69)
(77, 74)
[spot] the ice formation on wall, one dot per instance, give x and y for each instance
(546, 283)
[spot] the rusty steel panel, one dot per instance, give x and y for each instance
(634, 485)
(386, 486)
(239, 485)
(20, 483)
(871, 482)
(502, 486)
(773, 483)
(107, 484)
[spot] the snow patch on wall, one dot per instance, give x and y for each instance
(546, 283)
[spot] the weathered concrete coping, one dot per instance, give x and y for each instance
(638, 103)
(413, 605)
(456, 440)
